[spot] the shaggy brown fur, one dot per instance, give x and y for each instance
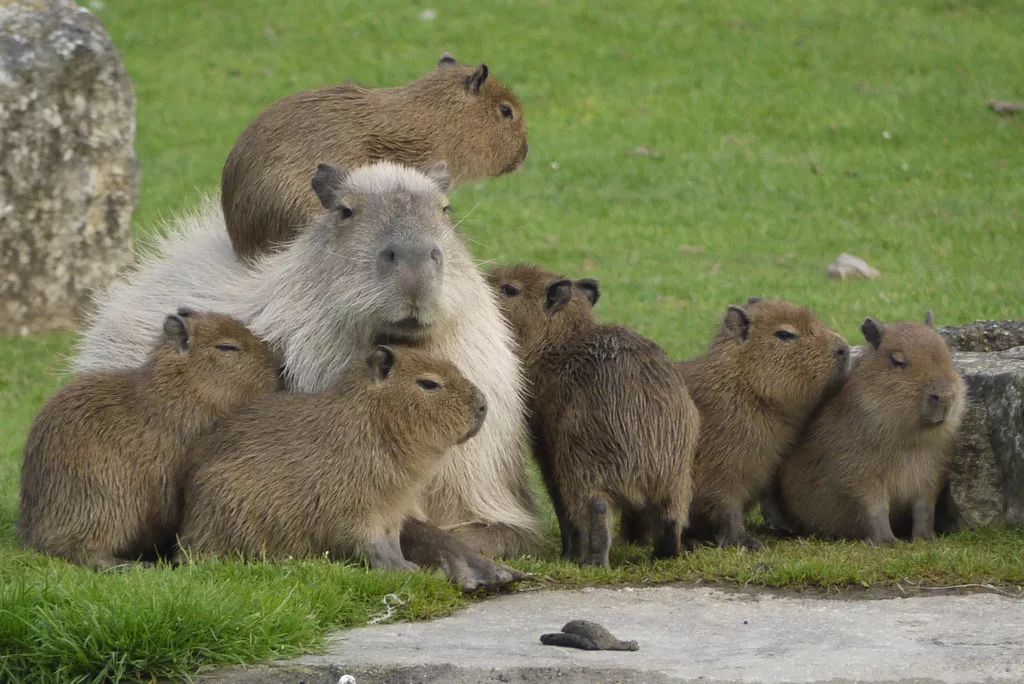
(881, 448)
(101, 479)
(769, 366)
(338, 472)
(454, 114)
(610, 416)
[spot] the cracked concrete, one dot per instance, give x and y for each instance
(686, 634)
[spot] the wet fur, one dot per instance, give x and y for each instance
(610, 417)
(439, 117)
(868, 461)
(105, 458)
(315, 302)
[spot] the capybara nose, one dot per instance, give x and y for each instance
(935, 409)
(479, 413)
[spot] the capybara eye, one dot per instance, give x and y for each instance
(429, 385)
(228, 347)
(447, 208)
(898, 360)
(785, 335)
(505, 110)
(509, 290)
(345, 212)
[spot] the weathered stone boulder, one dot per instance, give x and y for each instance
(984, 336)
(68, 173)
(987, 483)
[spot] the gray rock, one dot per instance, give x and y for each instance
(987, 482)
(984, 336)
(68, 174)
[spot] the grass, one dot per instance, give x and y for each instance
(687, 155)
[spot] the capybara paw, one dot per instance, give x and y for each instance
(889, 540)
(474, 572)
(742, 541)
(928, 534)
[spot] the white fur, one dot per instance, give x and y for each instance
(319, 332)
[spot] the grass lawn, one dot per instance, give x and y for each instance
(688, 155)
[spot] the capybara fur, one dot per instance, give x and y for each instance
(770, 365)
(333, 473)
(611, 420)
(880, 450)
(106, 456)
(383, 263)
(455, 114)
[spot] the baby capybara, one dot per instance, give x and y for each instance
(334, 473)
(770, 365)
(106, 456)
(611, 420)
(880, 450)
(456, 114)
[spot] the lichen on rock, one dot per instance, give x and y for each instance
(68, 173)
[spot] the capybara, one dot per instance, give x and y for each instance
(880, 450)
(455, 114)
(769, 366)
(106, 456)
(383, 263)
(333, 473)
(611, 420)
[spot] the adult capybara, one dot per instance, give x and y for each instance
(769, 366)
(611, 420)
(383, 263)
(338, 472)
(455, 114)
(104, 462)
(881, 449)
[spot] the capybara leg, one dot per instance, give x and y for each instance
(924, 518)
(668, 541)
(429, 546)
(386, 554)
(773, 509)
(699, 532)
(598, 534)
(879, 527)
(733, 531)
(496, 539)
(570, 537)
(633, 525)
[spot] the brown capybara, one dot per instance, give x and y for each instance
(106, 456)
(384, 264)
(334, 473)
(454, 114)
(611, 420)
(769, 366)
(880, 449)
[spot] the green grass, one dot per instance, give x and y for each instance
(774, 136)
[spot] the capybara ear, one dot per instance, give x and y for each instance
(590, 289)
(753, 300)
(327, 184)
(475, 81)
(447, 59)
(929, 319)
(176, 330)
(381, 360)
(737, 322)
(559, 294)
(439, 173)
(872, 331)
(185, 312)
